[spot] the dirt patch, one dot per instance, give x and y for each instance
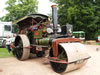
(39, 66)
(91, 42)
(1, 70)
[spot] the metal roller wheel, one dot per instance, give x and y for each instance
(58, 67)
(73, 53)
(21, 49)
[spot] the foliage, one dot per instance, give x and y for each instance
(19, 8)
(4, 53)
(84, 15)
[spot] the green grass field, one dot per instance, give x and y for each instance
(4, 53)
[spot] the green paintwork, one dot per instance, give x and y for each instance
(44, 41)
(38, 34)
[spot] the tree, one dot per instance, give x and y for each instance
(82, 14)
(19, 8)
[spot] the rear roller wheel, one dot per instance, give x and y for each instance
(21, 49)
(58, 67)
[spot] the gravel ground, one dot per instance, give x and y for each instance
(39, 66)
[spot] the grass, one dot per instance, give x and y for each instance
(4, 53)
(97, 43)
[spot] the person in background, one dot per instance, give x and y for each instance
(8, 42)
(99, 39)
(98, 43)
(13, 38)
(12, 41)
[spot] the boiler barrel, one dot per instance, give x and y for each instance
(44, 41)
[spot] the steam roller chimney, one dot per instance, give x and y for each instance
(54, 17)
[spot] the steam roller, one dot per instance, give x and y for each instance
(37, 35)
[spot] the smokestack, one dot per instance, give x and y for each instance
(54, 17)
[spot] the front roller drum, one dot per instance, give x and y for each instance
(22, 50)
(73, 55)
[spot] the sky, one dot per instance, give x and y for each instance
(44, 7)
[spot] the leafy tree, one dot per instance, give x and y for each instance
(82, 14)
(19, 8)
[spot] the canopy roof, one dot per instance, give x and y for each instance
(31, 19)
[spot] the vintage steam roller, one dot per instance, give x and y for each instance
(36, 35)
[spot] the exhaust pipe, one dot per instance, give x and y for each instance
(54, 17)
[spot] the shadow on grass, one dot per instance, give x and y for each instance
(4, 53)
